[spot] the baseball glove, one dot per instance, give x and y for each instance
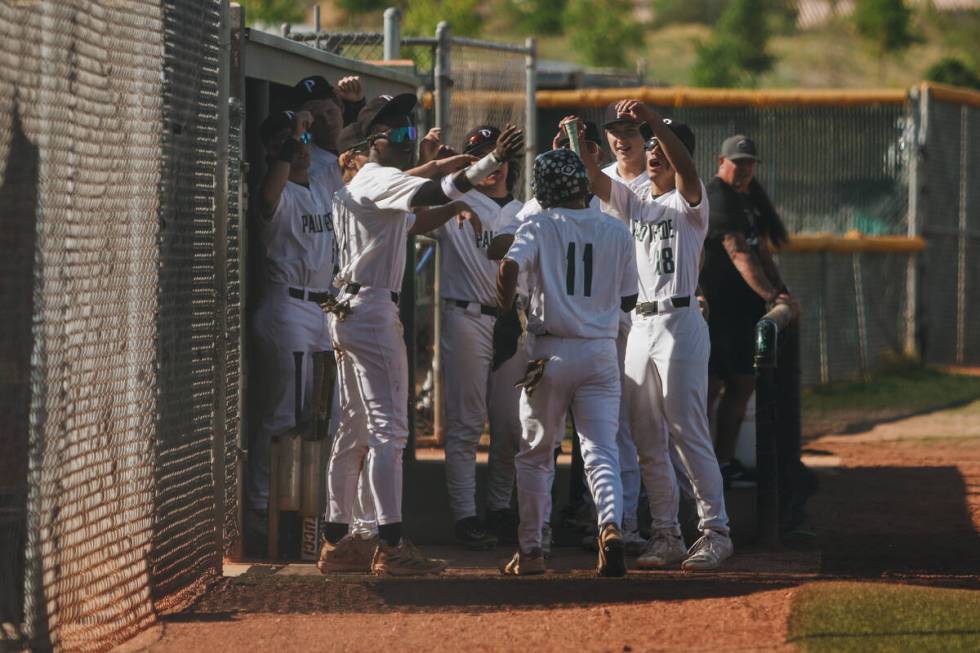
(506, 334)
(532, 375)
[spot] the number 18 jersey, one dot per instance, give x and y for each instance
(580, 264)
(669, 235)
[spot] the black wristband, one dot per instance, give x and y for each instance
(288, 150)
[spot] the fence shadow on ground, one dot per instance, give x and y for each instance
(876, 522)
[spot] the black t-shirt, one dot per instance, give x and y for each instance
(752, 215)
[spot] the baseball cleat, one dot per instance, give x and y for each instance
(404, 560)
(351, 554)
(524, 564)
(664, 549)
(471, 534)
(708, 552)
(612, 552)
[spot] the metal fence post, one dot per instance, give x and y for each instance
(442, 83)
(917, 106)
(531, 121)
(392, 32)
(220, 283)
(767, 488)
(962, 237)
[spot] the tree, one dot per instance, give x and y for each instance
(422, 16)
(886, 25)
(950, 70)
(603, 32)
(537, 16)
(736, 53)
(274, 12)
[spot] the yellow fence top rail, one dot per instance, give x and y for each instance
(681, 96)
(854, 241)
(953, 94)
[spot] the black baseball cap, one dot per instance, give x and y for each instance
(384, 106)
(478, 138)
(611, 119)
(350, 137)
(275, 123)
(591, 134)
(314, 87)
(739, 147)
(683, 132)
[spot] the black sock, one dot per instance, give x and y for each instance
(390, 534)
(334, 532)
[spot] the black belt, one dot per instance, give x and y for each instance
(309, 295)
(354, 288)
(652, 308)
(486, 310)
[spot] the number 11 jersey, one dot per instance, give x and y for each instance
(580, 265)
(669, 235)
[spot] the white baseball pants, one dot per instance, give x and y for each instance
(629, 464)
(373, 429)
(667, 386)
(472, 391)
(581, 374)
(288, 331)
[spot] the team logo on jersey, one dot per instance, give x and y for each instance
(316, 223)
(484, 239)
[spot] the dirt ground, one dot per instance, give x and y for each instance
(898, 503)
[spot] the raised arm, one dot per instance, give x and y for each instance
(280, 164)
(685, 172)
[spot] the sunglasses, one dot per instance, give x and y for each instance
(651, 143)
(399, 134)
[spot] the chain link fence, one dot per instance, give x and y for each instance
(120, 345)
(949, 211)
(877, 163)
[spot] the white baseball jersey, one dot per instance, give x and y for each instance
(325, 170)
(669, 235)
(581, 265)
(639, 183)
(299, 238)
(372, 218)
(467, 273)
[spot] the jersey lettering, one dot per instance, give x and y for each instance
(316, 223)
(484, 239)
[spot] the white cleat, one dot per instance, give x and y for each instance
(663, 550)
(708, 552)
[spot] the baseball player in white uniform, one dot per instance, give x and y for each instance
(297, 235)
(668, 347)
(373, 215)
(469, 301)
(582, 269)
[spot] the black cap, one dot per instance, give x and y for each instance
(612, 118)
(478, 138)
(350, 137)
(739, 147)
(274, 124)
(383, 106)
(683, 132)
(591, 134)
(314, 87)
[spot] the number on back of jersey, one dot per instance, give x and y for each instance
(571, 269)
(665, 260)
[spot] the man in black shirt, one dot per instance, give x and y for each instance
(739, 280)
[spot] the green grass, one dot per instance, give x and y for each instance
(906, 391)
(871, 617)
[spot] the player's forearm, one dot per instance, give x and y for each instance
(599, 181)
(507, 283)
(428, 170)
(270, 190)
(499, 246)
(429, 219)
